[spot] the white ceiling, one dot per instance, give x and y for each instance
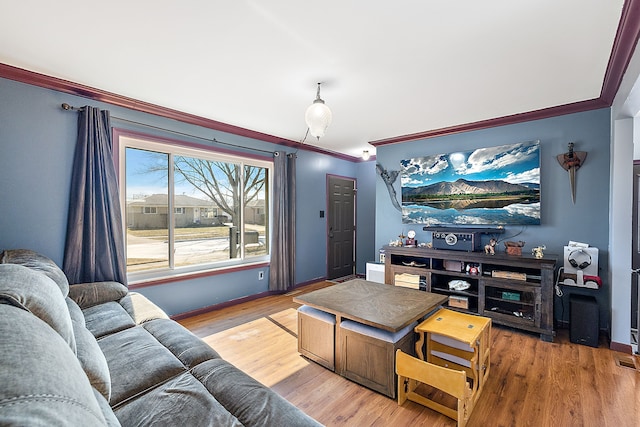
(388, 68)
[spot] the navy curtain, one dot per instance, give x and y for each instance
(283, 246)
(94, 249)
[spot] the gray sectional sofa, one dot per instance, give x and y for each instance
(96, 354)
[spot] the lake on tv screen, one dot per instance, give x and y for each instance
(447, 213)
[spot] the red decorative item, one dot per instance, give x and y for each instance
(514, 248)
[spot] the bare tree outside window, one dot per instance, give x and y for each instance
(218, 181)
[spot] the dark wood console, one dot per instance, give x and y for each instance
(515, 291)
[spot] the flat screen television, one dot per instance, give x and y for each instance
(487, 186)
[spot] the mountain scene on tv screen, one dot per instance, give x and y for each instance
(488, 186)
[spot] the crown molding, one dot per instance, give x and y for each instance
(545, 113)
(624, 45)
(48, 82)
(622, 51)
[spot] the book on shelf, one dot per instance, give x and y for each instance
(407, 280)
(509, 275)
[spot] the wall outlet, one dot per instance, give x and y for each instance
(260, 275)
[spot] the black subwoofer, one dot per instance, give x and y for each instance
(584, 320)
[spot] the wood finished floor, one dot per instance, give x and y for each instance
(531, 382)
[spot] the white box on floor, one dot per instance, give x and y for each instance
(375, 272)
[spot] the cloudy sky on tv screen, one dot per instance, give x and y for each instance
(487, 186)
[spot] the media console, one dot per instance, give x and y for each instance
(515, 291)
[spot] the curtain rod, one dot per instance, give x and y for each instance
(68, 107)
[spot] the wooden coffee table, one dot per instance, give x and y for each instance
(386, 307)
(382, 306)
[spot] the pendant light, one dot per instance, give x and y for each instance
(318, 116)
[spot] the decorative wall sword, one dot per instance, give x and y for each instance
(571, 162)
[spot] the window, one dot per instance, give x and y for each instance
(211, 210)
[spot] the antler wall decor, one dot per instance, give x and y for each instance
(571, 162)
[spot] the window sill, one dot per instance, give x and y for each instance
(171, 277)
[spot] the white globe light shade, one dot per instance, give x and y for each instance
(318, 118)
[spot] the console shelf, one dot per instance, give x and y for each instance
(515, 291)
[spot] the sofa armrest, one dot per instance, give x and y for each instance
(89, 294)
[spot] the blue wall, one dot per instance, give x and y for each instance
(311, 188)
(366, 250)
(561, 220)
(37, 140)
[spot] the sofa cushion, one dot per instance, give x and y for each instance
(137, 362)
(190, 349)
(74, 311)
(38, 294)
(377, 333)
(181, 401)
(107, 412)
(42, 383)
(107, 318)
(88, 352)
(251, 402)
(90, 294)
(92, 360)
(141, 309)
(38, 262)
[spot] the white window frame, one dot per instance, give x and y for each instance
(124, 140)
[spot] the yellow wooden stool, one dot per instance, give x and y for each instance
(457, 361)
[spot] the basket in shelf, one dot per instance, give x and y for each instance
(459, 301)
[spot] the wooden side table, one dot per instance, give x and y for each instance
(459, 343)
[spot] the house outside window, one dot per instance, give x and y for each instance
(210, 210)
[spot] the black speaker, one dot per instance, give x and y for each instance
(584, 320)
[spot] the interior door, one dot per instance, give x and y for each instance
(340, 227)
(635, 253)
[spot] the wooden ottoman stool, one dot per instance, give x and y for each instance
(368, 354)
(316, 336)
